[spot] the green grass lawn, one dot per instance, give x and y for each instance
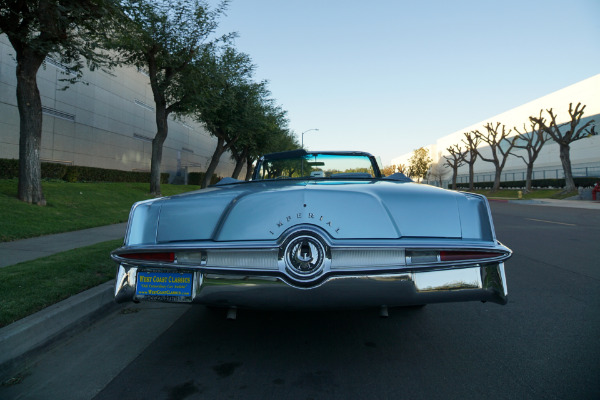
(30, 286)
(71, 206)
(513, 194)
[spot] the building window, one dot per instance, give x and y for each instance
(143, 105)
(58, 114)
(142, 137)
(143, 71)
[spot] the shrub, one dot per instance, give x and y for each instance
(194, 178)
(9, 168)
(72, 175)
(51, 170)
(586, 181)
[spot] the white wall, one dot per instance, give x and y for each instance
(585, 152)
(104, 123)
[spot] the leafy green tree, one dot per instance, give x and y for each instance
(68, 30)
(273, 142)
(231, 102)
(564, 137)
(239, 153)
(419, 163)
(166, 39)
(254, 125)
(233, 120)
(269, 122)
(390, 170)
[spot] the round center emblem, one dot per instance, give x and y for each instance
(304, 256)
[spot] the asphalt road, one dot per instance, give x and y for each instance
(544, 344)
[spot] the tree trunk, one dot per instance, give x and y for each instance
(497, 176)
(30, 139)
(249, 170)
(528, 177)
(565, 159)
(471, 177)
(162, 130)
(214, 162)
(240, 162)
(454, 175)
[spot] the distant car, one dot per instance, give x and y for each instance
(313, 230)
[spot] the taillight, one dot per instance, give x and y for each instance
(432, 257)
(466, 255)
(161, 257)
(422, 257)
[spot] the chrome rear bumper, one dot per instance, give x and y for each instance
(483, 283)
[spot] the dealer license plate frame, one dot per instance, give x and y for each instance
(155, 285)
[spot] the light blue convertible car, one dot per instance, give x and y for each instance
(313, 230)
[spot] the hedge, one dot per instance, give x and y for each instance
(587, 181)
(9, 168)
(194, 178)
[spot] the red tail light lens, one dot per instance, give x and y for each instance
(161, 257)
(466, 255)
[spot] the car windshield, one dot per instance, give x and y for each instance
(300, 165)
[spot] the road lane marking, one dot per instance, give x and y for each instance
(550, 222)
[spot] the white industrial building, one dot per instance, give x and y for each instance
(585, 153)
(105, 121)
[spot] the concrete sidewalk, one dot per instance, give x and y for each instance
(586, 204)
(43, 246)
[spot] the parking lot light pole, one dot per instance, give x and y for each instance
(302, 168)
(313, 129)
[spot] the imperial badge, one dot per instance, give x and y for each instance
(304, 256)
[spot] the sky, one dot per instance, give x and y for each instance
(389, 76)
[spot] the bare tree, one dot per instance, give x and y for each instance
(392, 169)
(471, 140)
(532, 142)
(455, 161)
(500, 147)
(388, 170)
(565, 138)
(438, 172)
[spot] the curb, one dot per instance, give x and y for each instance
(526, 202)
(22, 340)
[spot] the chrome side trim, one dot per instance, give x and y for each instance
(342, 259)
(404, 243)
(346, 259)
(264, 259)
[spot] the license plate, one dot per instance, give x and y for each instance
(164, 284)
